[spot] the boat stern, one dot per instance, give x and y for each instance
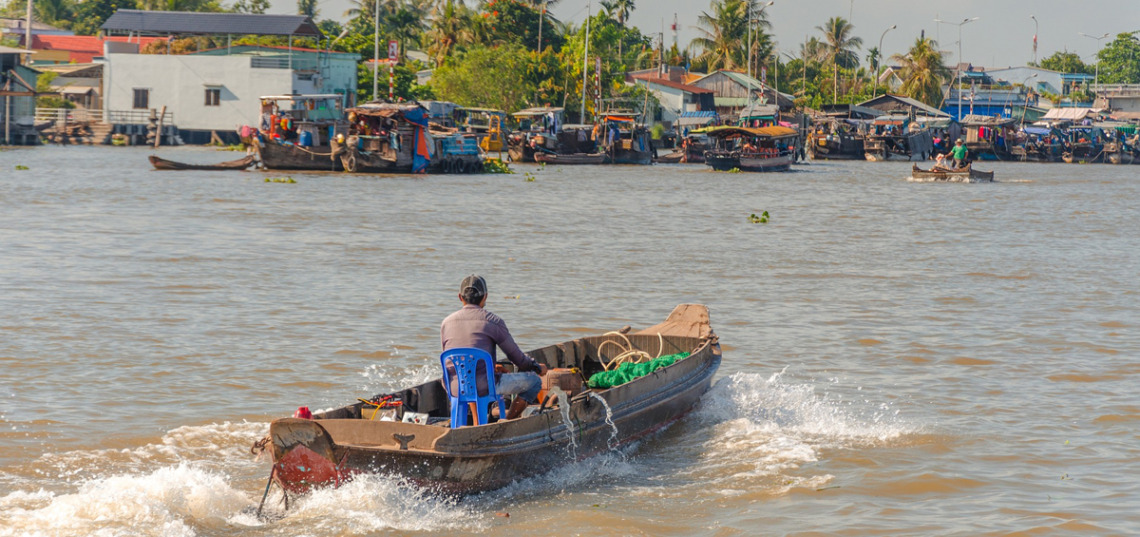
(304, 455)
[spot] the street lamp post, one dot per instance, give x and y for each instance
(752, 19)
(376, 52)
(1034, 17)
(1034, 75)
(879, 61)
(1096, 81)
(959, 78)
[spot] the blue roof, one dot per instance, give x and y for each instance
(698, 113)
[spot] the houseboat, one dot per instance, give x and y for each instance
(624, 141)
(764, 149)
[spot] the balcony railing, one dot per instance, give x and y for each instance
(1117, 90)
(116, 117)
(278, 62)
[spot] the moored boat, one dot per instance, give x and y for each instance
(764, 149)
(239, 164)
(573, 158)
(962, 175)
(419, 444)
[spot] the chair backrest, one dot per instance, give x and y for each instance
(469, 377)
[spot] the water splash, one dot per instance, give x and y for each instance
(612, 441)
(170, 501)
(564, 409)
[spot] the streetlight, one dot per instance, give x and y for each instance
(879, 61)
(1034, 17)
(1034, 75)
(959, 84)
(1096, 81)
(750, 21)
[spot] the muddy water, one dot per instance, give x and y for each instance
(901, 358)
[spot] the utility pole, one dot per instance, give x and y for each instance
(541, 15)
(958, 83)
(585, 61)
(879, 62)
(376, 53)
(28, 30)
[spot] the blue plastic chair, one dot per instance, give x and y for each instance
(460, 365)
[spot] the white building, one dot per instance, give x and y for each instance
(219, 89)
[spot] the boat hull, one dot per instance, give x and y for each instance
(240, 164)
(577, 158)
(290, 157)
(969, 175)
(324, 452)
(725, 162)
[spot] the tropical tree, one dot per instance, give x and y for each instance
(721, 34)
(251, 6)
(1120, 60)
(924, 71)
(840, 46)
(1066, 62)
(451, 27)
(307, 8)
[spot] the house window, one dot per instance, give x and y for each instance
(142, 99)
(213, 96)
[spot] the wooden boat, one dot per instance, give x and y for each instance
(240, 164)
(576, 158)
(963, 175)
(335, 445)
(625, 141)
(764, 149)
(671, 158)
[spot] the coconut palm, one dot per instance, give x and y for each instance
(840, 47)
(307, 8)
(923, 71)
(450, 28)
(722, 34)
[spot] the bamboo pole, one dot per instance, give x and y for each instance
(158, 131)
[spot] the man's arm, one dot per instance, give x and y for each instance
(503, 339)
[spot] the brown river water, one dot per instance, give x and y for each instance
(901, 358)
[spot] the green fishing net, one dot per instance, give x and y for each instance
(629, 371)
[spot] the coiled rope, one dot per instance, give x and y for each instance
(628, 352)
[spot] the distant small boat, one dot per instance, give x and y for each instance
(671, 158)
(240, 164)
(574, 158)
(963, 175)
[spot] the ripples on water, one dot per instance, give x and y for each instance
(900, 357)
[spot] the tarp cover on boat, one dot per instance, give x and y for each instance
(423, 155)
(629, 371)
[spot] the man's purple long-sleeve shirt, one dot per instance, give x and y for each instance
(475, 327)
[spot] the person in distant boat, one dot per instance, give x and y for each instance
(959, 152)
(474, 327)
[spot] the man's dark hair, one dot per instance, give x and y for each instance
(473, 289)
(472, 296)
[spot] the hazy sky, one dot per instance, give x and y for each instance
(1002, 36)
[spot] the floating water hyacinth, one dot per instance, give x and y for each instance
(288, 180)
(22, 167)
(762, 219)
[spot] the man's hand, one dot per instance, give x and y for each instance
(542, 369)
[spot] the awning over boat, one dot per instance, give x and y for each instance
(696, 117)
(762, 132)
(1037, 131)
(1071, 114)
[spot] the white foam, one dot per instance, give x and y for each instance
(170, 501)
(372, 503)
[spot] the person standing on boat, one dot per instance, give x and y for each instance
(474, 327)
(959, 152)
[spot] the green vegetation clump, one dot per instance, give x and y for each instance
(288, 180)
(496, 166)
(762, 219)
(21, 167)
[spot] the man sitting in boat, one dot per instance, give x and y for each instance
(474, 327)
(959, 152)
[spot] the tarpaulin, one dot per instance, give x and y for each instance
(423, 148)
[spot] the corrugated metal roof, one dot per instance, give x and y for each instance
(187, 23)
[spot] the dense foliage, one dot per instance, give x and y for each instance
(512, 54)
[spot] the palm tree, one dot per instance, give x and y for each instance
(450, 28)
(923, 71)
(723, 34)
(841, 47)
(307, 8)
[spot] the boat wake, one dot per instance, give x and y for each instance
(751, 435)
